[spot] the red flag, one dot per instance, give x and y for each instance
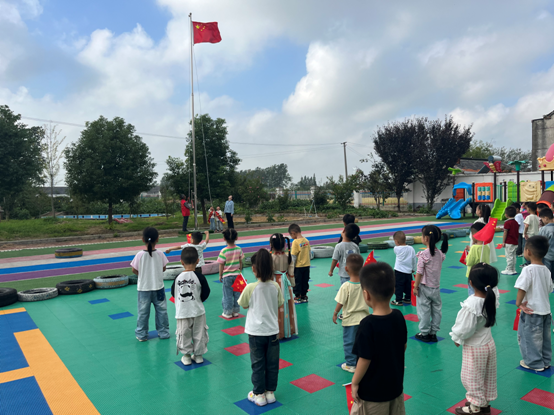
(240, 284)
(370, 259)
(172, 299)
(486, 234)
(350, 400)
(189, 239)
(499, 246)
(517, 318)
(206, 32)
(412, 297)
(463, 258)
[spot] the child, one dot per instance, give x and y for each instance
(510, 240)
(149, 265)
(472, 330)
(405, 265)
(212, 218)
(349, 219)
(539, 207)
(426, 283)
(262, 299)
(547, 231)
(534, 287)
(351, 299)
(484, 212)
(531, 225)
(231, 263)
(284, 272)
(300, 254)
(380, 344)
(191, 329)
(197, 244)
(343, 250)
(520, 220)
(219, 220)
(479, 253)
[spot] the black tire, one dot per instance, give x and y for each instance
(363, 248)
(133, 279)
(35, 295)
(378, 246)
(67, 253)
(75, 287)
(111, 281)
(8, 296)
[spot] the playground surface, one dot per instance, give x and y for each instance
(78, 354)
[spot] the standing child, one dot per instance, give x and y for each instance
(380, 344)
(284, 276)
(191, 329)
(198, 245)
(479, 253)
(472, 330)
(426, 283)
(231, 263)
(351, 299)
(343, 250)
(149, 265)
(349, 219)
(531, 225)
(219, 219)
(262, 299)
(534, 287)
(484, 212)
(405, 265)
(510, 240)
(212, 219)
(520, 220)
(547, 231)
(300, 254)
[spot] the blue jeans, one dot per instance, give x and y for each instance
(349, 334)
(219, 226)
(264, 362)
(344, 279)
(212, 224)
(534, 340)
(158, 299)
(549, 265)
(230, 298)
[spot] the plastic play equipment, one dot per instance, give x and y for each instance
(455, 206)
(498, 210)
(484, 192)
(512, 191)
(530, 191)
(547, 197)
(546, 163)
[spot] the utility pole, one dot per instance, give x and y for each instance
(345, 156)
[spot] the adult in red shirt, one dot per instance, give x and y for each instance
(185, 211)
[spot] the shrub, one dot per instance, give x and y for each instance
(331, 215)
(270, 217)
(393, 214)
(21, 214)
(283, 201)
(248, 217)
(281, 218)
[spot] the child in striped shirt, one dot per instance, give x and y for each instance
(231, 263)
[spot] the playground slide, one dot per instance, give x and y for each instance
(455, 211)
(445, 209)
(498, 210)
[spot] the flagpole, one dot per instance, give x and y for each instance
(193, 127)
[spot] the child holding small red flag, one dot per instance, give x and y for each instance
(231, 263)
(262, 299)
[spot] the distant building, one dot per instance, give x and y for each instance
(542, 138)
(59, 191)
(468, 165)
(152, 193)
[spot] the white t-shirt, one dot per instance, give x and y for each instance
(262, 300)
(151, 270)
(536, 281)
(520, 219)
(187, 296)
(533, 225)
(341, 252)
(200, 250)
(405, 260)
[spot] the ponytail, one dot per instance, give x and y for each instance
(150, 236)
(445, 243)
(435, 235)
(289, 260)
(484, 278)
(485, 210)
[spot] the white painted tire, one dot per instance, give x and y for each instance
(322, 252)
(210, 267)
(111, 282)
(311, 255)
(173, 271)
(34, 295)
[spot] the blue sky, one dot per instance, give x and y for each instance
(286, 72)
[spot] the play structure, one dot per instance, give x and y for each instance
(498, 210)
(484, 192)
(462, 196)
(547, 197)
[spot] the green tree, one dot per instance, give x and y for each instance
(21, 160)
(342, 189)
(320, 196)
(109, 163)
(480, 149)
(216, 161)
(167, 194)
(178, 176)
(251, 191)
(377, 181)
(306, 183)
(52, 156)
(275, 176)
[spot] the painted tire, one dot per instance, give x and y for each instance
(75, 287)
(111, 282)
(8, 296)
(311, 255)
(247, 262)
(363, 248)
(35, 295)
(173, 271)
(390, 243)
(459, 233)
(322, 252)
(409, 238)
(133, 279)
(418, 240)
(68, 253)
(210, 267)
(378, 246)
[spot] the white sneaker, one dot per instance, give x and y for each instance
(522, 364)
(227, 316)
(235, 314)
(257, 399)
(186, 359)
(505, 272)
(350, 369)
(270, 397)
(198, 359)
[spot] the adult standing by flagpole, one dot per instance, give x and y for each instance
(185, 211)
(229, 210)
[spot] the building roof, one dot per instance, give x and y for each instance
(469, 165)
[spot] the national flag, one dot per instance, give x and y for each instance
(499, 246)
(412, 297)
(172, 299)
(189, 239)
(463, 257)
(240, 284)
(517, 318)
(206, 32)
(348, 391)
(486, 234)
(370, 259)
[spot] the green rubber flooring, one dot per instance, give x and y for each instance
(123, 376)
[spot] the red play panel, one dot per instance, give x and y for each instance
(324, 285)
(284, 364)
(540, 397)
(503, 291)
(411, 317)
(406, 396)
(312, 383)
(462, 285)
(461, 404)
(231, 319)
(236, 330)
(239, 349)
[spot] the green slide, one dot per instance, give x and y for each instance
(498, 210)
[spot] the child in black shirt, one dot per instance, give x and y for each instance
(380, 344)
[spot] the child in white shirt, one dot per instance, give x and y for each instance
(198, 245)
(405, 265)
(531, 225)
(189, 290)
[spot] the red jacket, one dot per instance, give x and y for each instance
(185, 208)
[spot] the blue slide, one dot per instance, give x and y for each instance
(445, 209)
(455, 211)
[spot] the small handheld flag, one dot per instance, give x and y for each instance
(172, 299)
(499, 246)
(486, 233)
(517, 318)
(348, 391)
(370, 259)
(463, 257)
(189, 239)
(412, 297)
(240, 284)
